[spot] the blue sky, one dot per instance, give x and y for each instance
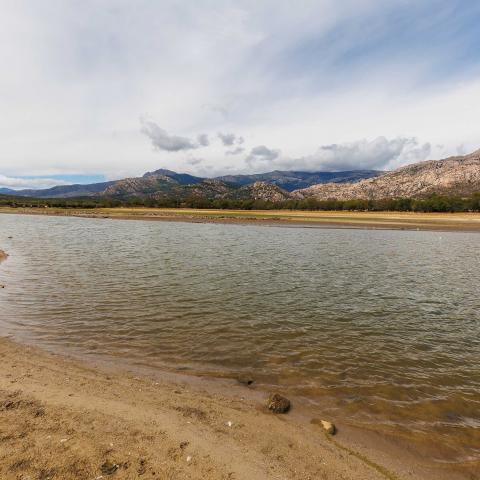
(107, 89)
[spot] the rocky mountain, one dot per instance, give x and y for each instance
(294, 180)
(455, 176)
(263, 191)
(166, 179)
(182, 178)
(160, 187)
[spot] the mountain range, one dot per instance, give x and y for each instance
(162, 182)
(454, 176)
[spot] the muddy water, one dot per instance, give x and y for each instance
(381, 328)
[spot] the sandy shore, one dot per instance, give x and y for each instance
(62, 419)
(464, 222)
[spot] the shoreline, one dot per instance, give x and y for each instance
(441, 222)
(76, 416)
(133, 413)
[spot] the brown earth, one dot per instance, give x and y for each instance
(63, 420)
(462, 222)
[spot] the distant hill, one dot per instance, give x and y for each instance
(7, 191)
(163, 182)
(294, 180)
(454, 176)
(162, 187)
(181, 178)
(64, 191)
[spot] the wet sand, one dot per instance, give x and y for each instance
(63, 419)
(464, 222)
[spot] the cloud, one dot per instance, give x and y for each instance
(203, 140)
(379, 153)
(161, 140)
(194, 161)
(235, 151)
(264, 153)
(17, 183)
(292, 78)
(261, 155)
(230, 139)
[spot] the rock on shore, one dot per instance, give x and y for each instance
(278, 404)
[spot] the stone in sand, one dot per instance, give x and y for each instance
(278, 404)
(329, 427)
(109, 468)
(245, 380)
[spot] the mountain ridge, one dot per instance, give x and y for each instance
(454, 176)
(457, 175)
(164, 178)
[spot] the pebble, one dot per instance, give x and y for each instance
(245, 381)
(329, 427)
(109, 468)
(278, 404)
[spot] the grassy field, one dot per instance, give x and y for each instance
(388, 220)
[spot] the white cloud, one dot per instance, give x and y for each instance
(203, 140)
(235, 151)
(161, 140)
(194, 161)
(233, 141)
(261, 157)
(81, 73)
(377, 154)
(25, 183)
(228, 139)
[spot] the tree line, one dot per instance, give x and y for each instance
(433, 203)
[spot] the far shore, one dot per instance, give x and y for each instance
(461, 222)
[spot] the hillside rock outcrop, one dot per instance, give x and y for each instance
(456, 176)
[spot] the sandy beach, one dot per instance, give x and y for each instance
(62, 419)
(463, 222)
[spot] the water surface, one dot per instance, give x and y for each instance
(380, 328)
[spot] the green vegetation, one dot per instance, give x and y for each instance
(433, 203)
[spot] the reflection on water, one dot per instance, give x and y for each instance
(380, 326)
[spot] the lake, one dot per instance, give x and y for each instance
(380, 328)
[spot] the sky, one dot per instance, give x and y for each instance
(105, 89)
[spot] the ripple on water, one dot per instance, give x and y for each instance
(382, 328)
